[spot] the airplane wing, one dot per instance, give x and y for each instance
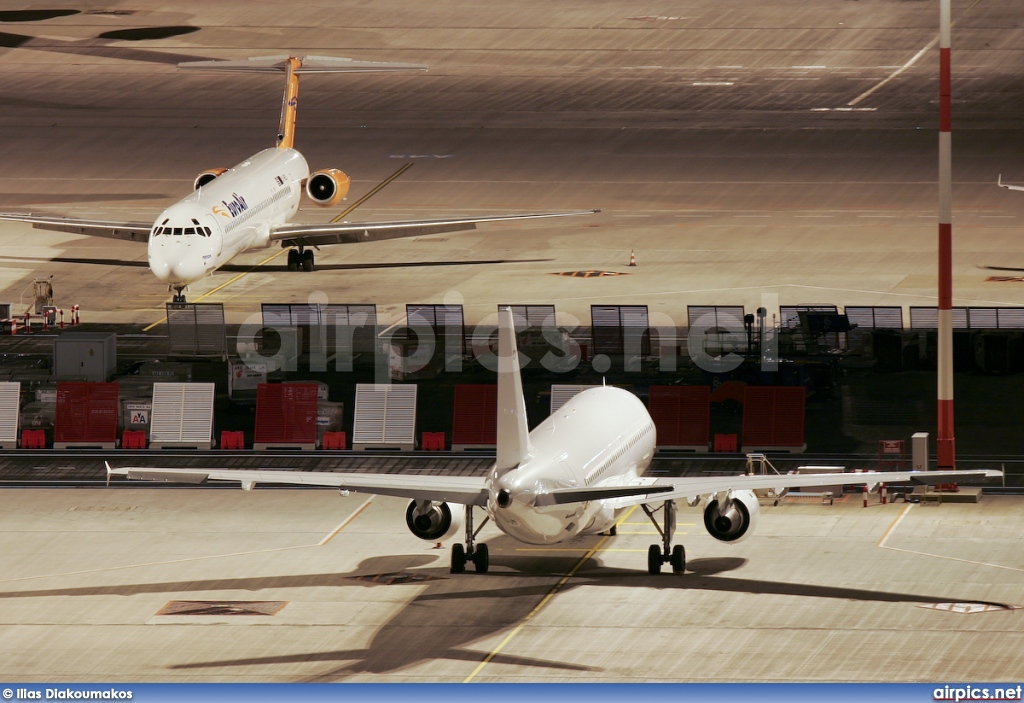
(294, 235)
(131, 231)
(1007, 185)
(467, 490)
(691, 488)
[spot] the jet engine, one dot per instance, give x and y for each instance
(207, 176)
(327, 187)
(434, 521)
(732, 518)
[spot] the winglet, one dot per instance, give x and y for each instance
(110, 471)
(999, 182)
(513, 436)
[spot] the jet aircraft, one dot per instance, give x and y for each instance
(249, 206)
(575, 473)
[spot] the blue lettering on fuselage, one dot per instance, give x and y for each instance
(236, 205)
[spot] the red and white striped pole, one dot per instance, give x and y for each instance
(946, 444)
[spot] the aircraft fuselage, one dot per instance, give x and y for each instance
(600, 437)
(231, 214)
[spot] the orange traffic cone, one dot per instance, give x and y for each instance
(632, 258)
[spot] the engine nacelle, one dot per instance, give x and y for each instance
(434, 521)
(734, 517)
(207, 176)
(327, 187)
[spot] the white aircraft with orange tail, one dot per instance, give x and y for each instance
(575, 474)
(249, 206)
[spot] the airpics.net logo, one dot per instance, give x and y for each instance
(977, 693)
(329, 337)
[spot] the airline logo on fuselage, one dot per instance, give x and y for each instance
(236, 206)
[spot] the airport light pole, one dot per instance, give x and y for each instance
(946, 444)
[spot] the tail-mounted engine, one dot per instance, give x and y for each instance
(207, 176)
(327, 187)
(434, 521)
(733, 517)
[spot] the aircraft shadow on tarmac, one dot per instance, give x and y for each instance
(449, 613)
(104, 45)
(277, 268)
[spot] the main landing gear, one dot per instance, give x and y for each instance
(471, 552)
(300, 258)
(665, 553)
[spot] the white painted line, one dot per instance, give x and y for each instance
(894, 525)
(816, 216)
(898, 71)
(713, 83)
(753, 216)
(345, 523)
(810, 66)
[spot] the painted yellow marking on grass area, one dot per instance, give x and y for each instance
(544, 601)
(380, 186)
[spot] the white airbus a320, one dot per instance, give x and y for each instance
(247, 207)
(574, 474)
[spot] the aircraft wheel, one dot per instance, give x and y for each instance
(654, 559)
(458, 559)
(307, 260)
(293, 260)
(678, 559)
(481, 559)
(613, 530)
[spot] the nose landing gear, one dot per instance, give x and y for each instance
(300, 258)
(179, 294)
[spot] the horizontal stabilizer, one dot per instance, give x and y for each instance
(560, 496)
(310, 64)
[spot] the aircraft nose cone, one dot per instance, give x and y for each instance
(176, 262)
(187, 270)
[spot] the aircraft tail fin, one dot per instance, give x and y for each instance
(513, 432)
(292, 66)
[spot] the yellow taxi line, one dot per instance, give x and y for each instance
(544, 601)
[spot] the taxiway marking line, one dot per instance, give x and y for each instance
(321, 543)
(380, 186)
(914, 59)
(544, 601)
(892, 528)
(345, 523)
(895, 523)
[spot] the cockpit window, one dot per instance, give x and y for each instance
(177, 230)
(190, 230)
